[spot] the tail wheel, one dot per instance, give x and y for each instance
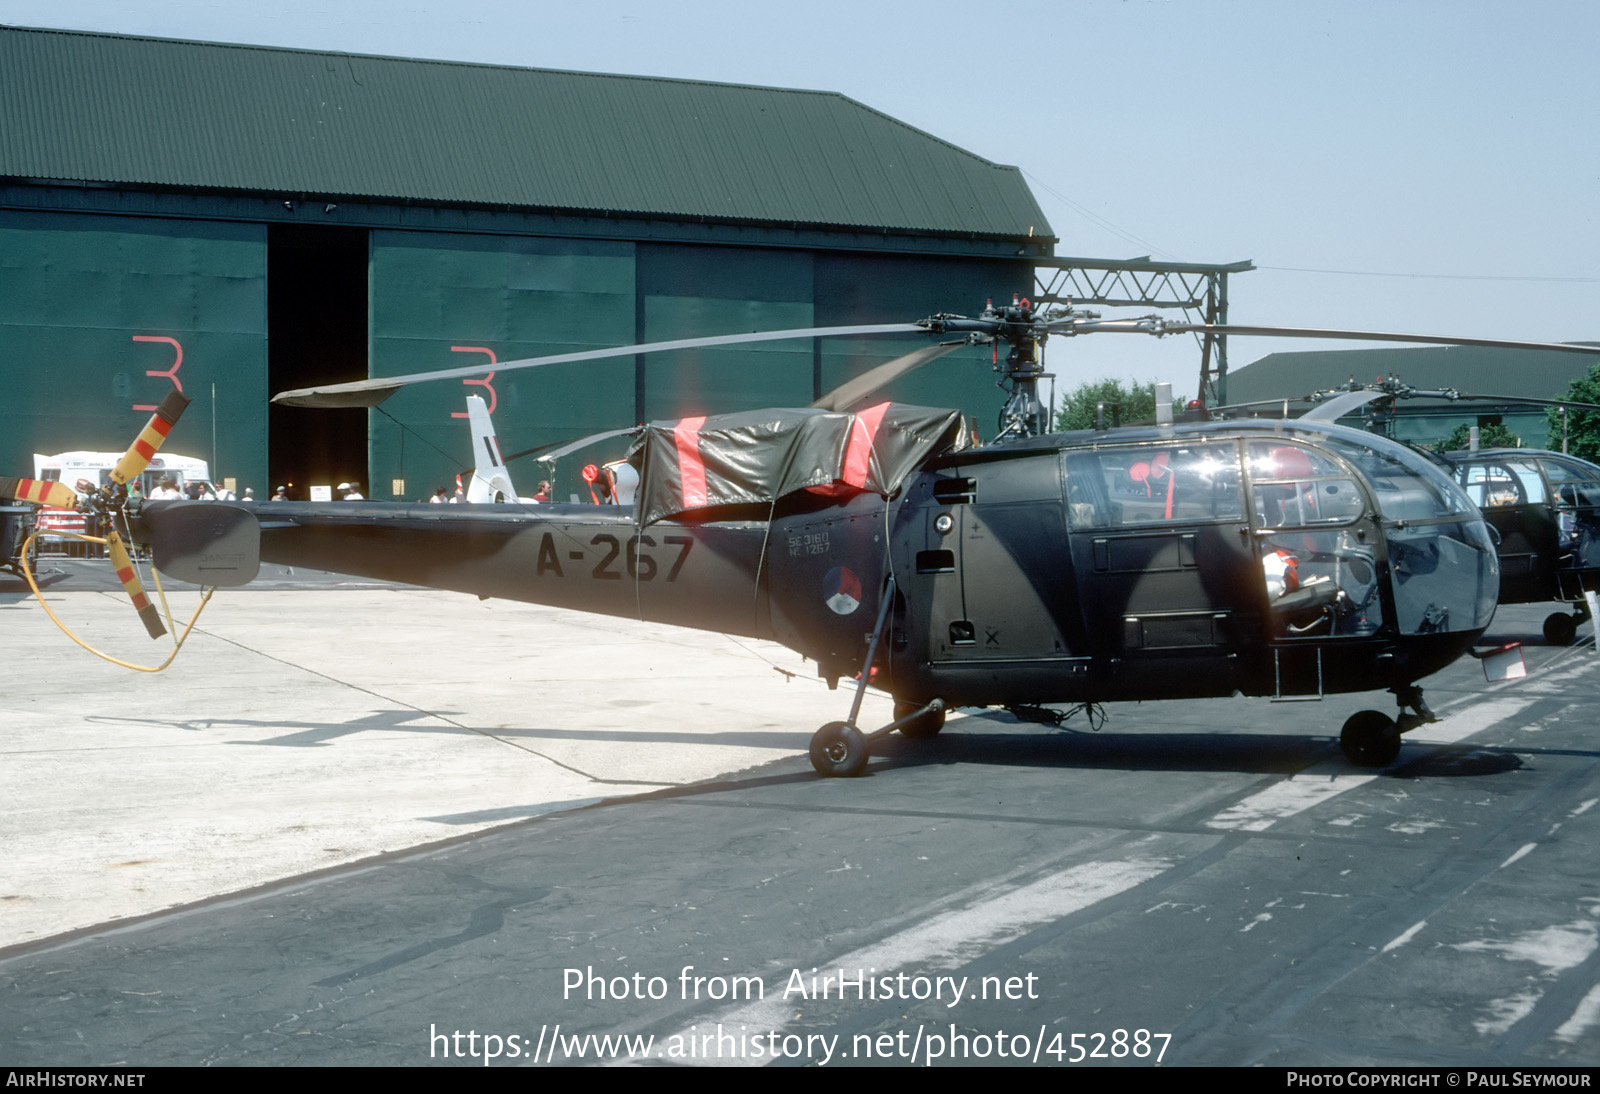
(926, 726)
(839, 750)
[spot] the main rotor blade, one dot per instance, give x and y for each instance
(1341, 405)
(584, 442)
(854, 390)
(364, 393)
(1587, 408)
(1158, 325)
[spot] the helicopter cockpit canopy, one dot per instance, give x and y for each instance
(1441, 559)
(1383, 536)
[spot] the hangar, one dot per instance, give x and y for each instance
(235, 220)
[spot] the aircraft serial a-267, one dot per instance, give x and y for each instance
(1173, 561)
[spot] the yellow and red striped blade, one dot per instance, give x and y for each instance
(38, 491)
(140, 453)
(130, 581)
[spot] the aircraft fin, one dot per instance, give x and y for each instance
(490, 479)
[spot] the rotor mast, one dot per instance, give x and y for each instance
(1016, 324)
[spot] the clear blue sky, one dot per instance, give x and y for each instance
(1446, 153)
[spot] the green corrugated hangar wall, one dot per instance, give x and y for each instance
(101, 315)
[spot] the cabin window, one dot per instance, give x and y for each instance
(1153, 485)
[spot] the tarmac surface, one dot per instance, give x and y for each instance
(357, 824)
(315, 719)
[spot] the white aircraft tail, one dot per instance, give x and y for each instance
(490, 480)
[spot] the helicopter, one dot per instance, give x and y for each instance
(1542, 507)
(1182, 560)
(1545, 510)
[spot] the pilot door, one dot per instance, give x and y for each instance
(1171, 587)
(1576, 492)
(1512, 497)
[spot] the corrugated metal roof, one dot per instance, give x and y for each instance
(1474, 369)
(161, 113)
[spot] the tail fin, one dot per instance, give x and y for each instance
(490, 480)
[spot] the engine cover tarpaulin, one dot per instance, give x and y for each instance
(759, 456)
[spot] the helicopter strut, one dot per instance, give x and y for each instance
(840, 748)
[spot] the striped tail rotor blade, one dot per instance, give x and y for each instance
(38, 491)
(140, 453)
(130, 581)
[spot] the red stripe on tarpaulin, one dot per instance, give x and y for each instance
(857, 464)
(691, 467)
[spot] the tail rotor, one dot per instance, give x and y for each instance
(110, 503)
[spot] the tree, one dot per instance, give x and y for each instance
(1136, 403)
(1489, 436)
(1583, 426)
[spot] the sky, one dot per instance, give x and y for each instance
(1429, 166)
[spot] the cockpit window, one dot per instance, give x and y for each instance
(1295, 487)
(1407, 485)
(1492, 484)
(1155, 484)
(1574, 482)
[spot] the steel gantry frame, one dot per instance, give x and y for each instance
(1200, 289)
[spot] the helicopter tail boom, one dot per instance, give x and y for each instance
(578, 557)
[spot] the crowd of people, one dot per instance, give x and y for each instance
(200, 490)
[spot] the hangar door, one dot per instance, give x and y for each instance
(101, 316)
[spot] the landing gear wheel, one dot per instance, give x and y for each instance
(838, 750)
(922, 728)
(1560, 629)
(1370, 739)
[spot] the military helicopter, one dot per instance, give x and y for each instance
(1281, 559)
(1543, 507)
(1545, 510)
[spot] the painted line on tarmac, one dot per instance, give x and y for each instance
(947, 940)
(1318, 784)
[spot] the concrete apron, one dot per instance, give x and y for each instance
(299, 730)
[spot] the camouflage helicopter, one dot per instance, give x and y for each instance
(1179, 560)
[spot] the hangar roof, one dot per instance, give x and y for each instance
(157, 113)
(1476, 369)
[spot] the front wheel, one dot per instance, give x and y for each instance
(1560, 629)
(1370, 739)
(838, 750)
